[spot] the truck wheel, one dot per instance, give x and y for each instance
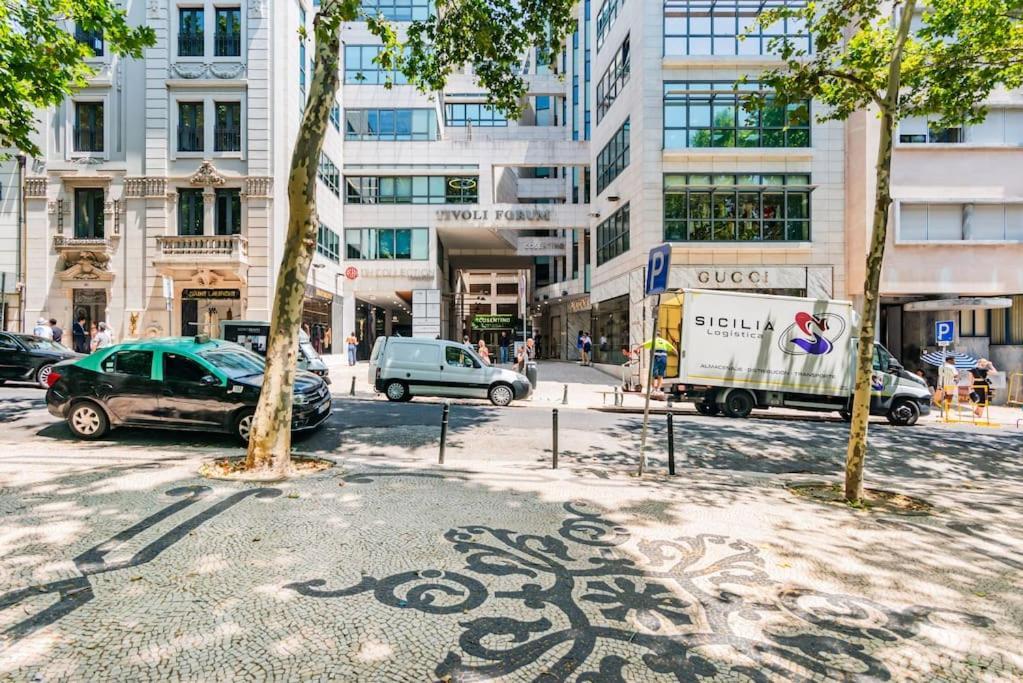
(738, 403)
(904, 413)
(396, 391)
(707, 408)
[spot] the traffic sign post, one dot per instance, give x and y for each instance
(944, 332)
(658, 268)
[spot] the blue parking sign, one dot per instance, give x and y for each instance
(657, 268)
(944, 331)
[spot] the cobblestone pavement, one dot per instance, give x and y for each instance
(118, 563)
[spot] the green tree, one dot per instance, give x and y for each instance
(490, 35)
(41, 61)
(894, 59)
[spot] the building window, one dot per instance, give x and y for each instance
(361, 69)
(613, 235)
(713, 27)
(328, 243)
(606, 16)
(999, 127)
(711, 114)
(190, 126)
(613, 158)
(301, 70)
(89, 213)
(88, 132)
(390, 124)
(403, 244)
(614, 79)
(227, 32)
(736, 208)
(399, 10)
(190, 212)
(227, 128)
(190, 32)
(93, 39)
(411, 189)
(228, 217)
(329, 174)
(460, 115)
(960, 222)
(974, 322)
(335, 117)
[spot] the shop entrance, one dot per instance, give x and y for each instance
(202, 309)
(91, 303)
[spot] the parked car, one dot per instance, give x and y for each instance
(253, 335)
(403, 367)
(182, 383)
(26, 358)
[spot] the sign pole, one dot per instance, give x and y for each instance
(656, 282)
(649, 385)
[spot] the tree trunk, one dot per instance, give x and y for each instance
(857, 450)
(270, 438)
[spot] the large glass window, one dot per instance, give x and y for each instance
(390, 124)
(190, 32)
(614, 79)
(227, 32)
(360, 69)
(736, 208)
(403, 244)
(412, 189)
(613, 158)
(399, 10)
(960, 222)
(329, 174)
(613, 235)
(460, 115)
(190, 212)
(227, 130)
(606, 16)
(89, 213)
(94, 39)
(335, 117)
(229, 211)
(88, 133)
(190, 126)
(713, 27)
(328, 243)
(711, 114)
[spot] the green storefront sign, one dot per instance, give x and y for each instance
(499, 321)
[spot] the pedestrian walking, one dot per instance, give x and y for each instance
(587, 349)
(352, 345)
(484, 351)
(56, 333)
(42, 329)
(503, 344)
(981, 391)
(527, 352)
(579, 344)
(103, 337)
(79, 337)
(948, 384)
(660, 367)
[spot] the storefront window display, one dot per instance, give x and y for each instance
(316, 320)
(610, 333)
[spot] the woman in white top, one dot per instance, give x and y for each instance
(484, 352)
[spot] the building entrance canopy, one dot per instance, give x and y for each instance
(959, 304)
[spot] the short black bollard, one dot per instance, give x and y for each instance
(671, 443)
(555, 445)
(564, 396)
(443, 431)
(351, 392)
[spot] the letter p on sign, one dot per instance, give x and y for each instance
(657, 268)
(944, 331)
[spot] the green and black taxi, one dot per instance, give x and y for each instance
(191, 383)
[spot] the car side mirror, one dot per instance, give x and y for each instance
(208, 380)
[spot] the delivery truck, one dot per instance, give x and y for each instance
(734, 352)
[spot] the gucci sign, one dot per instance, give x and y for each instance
(756, 277)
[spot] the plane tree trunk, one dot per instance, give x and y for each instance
(857, 449)
(270, 439)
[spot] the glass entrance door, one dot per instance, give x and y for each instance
(92, 303)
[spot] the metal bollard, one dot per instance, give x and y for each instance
(555, 445)
(671, 442)
(564, 396)
(351, 392)
(443, 430)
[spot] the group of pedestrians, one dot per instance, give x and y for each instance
(981, 392)
(524, 354)
(584, 344)
(82, 340)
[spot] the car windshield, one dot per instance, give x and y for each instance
(234, 362)
(40, 344)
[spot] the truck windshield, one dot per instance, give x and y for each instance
(234, 362)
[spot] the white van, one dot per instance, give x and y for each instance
(403, 367)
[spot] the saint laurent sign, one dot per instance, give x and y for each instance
(509, 215)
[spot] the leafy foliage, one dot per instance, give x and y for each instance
(41, 62)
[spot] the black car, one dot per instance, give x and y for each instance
(180, 383)
(26, 358)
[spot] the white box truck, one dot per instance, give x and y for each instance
(738, 351)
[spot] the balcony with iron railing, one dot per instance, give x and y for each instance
(190, 139)
(227, 139)
(190, 44)
(184, 253)
(228, 44)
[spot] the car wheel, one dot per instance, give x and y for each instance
(501, 395)
(43, 374)
(87, 420)
(243, 426)
(904, 413)
(396, 391)
(709, 409)
(738, 404)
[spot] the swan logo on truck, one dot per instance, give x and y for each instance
(812, 335)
